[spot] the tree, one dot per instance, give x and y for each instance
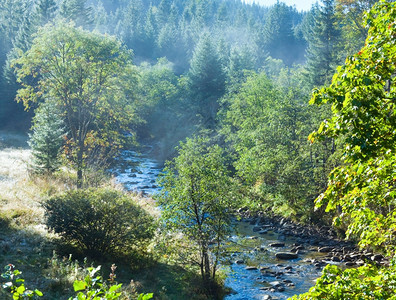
(91, 78)
(362, 95)
(197, 200)
(351, 15)
(14, 15)
(45, 11)
(265, 127)
(47, 138)
(76, 11)
(323, 44)
(206, 80)
(279, 35)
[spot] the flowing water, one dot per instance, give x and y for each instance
(252, 269)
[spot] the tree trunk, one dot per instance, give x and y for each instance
(80, 166)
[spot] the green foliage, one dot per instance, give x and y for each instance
(366, 282)
(206, 80)
(77, 11)
(91, 287)
(197, 199)
(266, 128)
(100, 222)
(278, 34)
(323, 39)
(91, 79)
(362, 97)
(16, 284)
(47, 138)
(363, 188)
(350, 15)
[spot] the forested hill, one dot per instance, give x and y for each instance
(172, 28)
(155, 29)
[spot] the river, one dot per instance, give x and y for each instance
(252, 270)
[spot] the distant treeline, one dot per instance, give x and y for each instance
(154, 29)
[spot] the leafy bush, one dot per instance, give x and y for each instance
(100, 222)
(366, 282)
(16, 285)
(92, 287)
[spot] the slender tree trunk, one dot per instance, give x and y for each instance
(80, 165)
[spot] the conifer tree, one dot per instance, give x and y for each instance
(77, 11)
(323, 45)
(206, 80)
(47, 138)
(45, 11)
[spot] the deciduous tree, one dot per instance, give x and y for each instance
(91, 78)
(197, 200)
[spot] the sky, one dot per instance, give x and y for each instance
(300, 4)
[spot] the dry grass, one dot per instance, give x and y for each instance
(19, 198)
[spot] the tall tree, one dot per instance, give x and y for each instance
(197, 200)
(77, 11)
(91, 78)
(15, 34)
(323, 44)
(206, 80)
(279, 35)
(362, 95)
(45, 11)
(351, 15)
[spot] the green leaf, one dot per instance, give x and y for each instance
(38, 293)
(145, 296)
(20, 289)
(79, 285)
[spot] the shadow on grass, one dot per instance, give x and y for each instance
(170, 282)
(27, 250)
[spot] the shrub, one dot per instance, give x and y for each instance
(16, 285)
(92, 286)
(100, 222)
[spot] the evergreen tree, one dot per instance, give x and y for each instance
(47, 138)
(45, 11)
(78, 11)
(240, 60)
(351, 15)
(206, 80)
(278, 33)
(15, 33)
(323, 44)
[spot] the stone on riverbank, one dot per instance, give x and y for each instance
(286, 255)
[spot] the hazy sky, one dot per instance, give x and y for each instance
(300, 4)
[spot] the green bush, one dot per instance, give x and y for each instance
(366, 282)
(100, 222)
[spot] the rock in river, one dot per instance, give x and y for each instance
(286, 255)
(277, 244)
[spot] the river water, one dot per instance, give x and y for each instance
(252, 270)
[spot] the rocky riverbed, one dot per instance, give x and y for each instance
(267, 257)
(276, 258)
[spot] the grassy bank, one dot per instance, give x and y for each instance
(26, 242)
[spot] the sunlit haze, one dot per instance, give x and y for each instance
(300, 4)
